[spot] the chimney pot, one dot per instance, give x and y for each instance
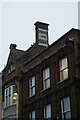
(13, 46)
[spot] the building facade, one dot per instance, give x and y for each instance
(47, 78)
(79, 15)
(1, 96)
(10, 84)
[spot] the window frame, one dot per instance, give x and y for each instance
(11, 68)
(47, 79)
(32, 88)
(62, 70)
(62, 107)
(13, 95)
(46, 110)
(9, 101)
(30, 115)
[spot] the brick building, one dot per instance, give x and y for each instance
(79, 15)
(10, 84)
(47, 77)
(1, 96)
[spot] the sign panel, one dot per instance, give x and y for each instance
(43, 34)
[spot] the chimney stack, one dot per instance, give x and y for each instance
(13, 46)
(41, 31)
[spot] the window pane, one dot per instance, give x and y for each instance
(6, 100)
(66, 103)
(15, 97)
(14, 94)
(63, 63)
(9, 99)
(64, 74)
(46, 73)
(32, 86)
(45, 84)
(61, 78)
(11, 68)
(33, 114)
(63, 66)
(48, 83)
(33, 90)
(68, 115)
(33, 81)
(14, 88)
(7, 92)
(47, 111)
(46, 78)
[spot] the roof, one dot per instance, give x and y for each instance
(18, 53)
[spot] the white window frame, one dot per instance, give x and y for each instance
(46, 78)
(31, 117)
(62, 107)
(7, 95)
(11, 99)
(13, 95)
(11, 68)
(32, 86)
(63, 70)
(47, 111)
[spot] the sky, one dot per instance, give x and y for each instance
(17, 22)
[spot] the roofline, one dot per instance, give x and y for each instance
(41, 23)
(47, 47)
(54, 43)
(64, 36)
